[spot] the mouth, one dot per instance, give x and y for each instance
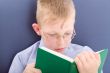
(59, 49)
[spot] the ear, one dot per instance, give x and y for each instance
(36, 28)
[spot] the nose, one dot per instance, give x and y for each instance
(60, 42)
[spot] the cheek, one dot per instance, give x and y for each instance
(49, 43)
(67, 43)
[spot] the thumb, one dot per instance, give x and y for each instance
(31, 65)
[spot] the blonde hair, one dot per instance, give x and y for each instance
(53, 9)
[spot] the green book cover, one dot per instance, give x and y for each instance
(53, 62)
(103, 55)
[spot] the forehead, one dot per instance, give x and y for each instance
(59, 25)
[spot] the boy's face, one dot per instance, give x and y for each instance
(57, 34)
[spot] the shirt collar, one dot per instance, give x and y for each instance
(41, 43)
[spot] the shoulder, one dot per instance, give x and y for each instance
(30, 49)
(25, 54)
(75, 49)
(21, 59)
(78, 47)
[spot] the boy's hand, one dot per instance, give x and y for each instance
(30, 69)
(88, 62)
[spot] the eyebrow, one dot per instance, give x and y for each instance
(57, 32)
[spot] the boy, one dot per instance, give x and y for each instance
(56, 20)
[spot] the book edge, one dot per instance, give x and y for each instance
(61, 55)
(57, 54)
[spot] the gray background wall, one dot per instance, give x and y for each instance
(16, 16)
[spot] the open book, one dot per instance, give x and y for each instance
(53, 62)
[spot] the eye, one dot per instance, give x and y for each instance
(52, 34)
(68, 34)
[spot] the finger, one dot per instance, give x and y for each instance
(31, 64)
(34, 70)
(98, 59)
(92, 56)
(79, 64)
(39, 71)
(86, 55)
(97, 56)
(82, 58)
(89, 56)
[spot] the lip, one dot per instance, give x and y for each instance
(59, 49)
